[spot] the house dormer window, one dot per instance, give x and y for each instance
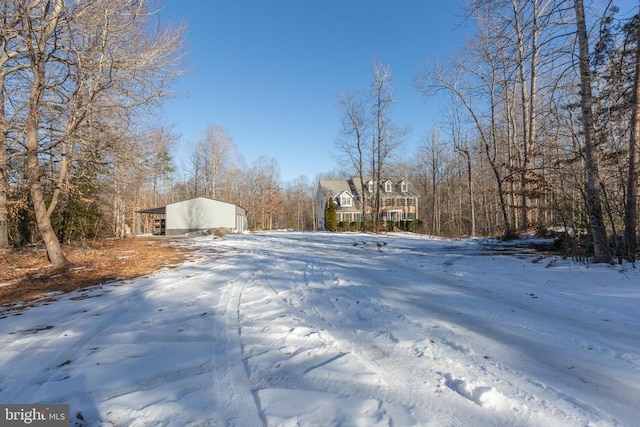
(403, 186)
(345, 200)
(387, 187)
(370, 186)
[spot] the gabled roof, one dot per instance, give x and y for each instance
(334, 187)
(162, 210)
(206, 199)
(343, 192)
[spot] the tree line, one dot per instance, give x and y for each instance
(543, 121)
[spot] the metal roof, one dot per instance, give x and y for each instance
(155, 211)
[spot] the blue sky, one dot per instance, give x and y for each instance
(269, 71)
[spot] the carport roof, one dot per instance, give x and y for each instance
(156, 211)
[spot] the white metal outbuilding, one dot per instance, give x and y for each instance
(200, 214)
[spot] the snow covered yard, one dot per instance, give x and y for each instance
(316, 329)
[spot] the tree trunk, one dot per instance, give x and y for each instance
(596, 220)
(37, 47)
(354, 123)
(4, 231)
(533, 76)
(4, 172)
(43, 219)
(630, 211)
(521, 221)
(467, 157)
(4, 161)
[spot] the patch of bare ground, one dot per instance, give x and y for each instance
(27, 277)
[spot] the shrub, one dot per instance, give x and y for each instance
(412, 225)
(343, 226)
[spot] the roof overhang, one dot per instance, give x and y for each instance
(155, 211)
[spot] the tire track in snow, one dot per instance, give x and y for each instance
(288, 334)
(456, 364)
(285, 351)
(399, 388)
(242, 403)
(379, 350)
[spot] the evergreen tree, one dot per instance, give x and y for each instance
(330, 219)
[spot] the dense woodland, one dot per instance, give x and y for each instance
(539, 128)
(542, 126)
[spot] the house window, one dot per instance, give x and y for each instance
(401, 201)
(357, 216)
(370, 186)
(387, 187)
(347, 217)
(411, 215)
(403, 187)
(411, 201)
(345, 200)
(388, 202)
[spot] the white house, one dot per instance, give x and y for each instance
(198, 214)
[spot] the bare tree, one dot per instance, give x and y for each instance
(481, 85)
(596, 220)
(431, 154)
(351, 144)
(386, 137)
(630, 212)
(234, 187)
(299, 196)
(12, 67)
(9, 65)
(159, 144)
(215, 152)
(265, 200)
(197, 168)
(369, 160)
(85, 64)
(461, 146)
(39, 23)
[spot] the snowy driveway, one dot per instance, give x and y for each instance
(315, 329)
